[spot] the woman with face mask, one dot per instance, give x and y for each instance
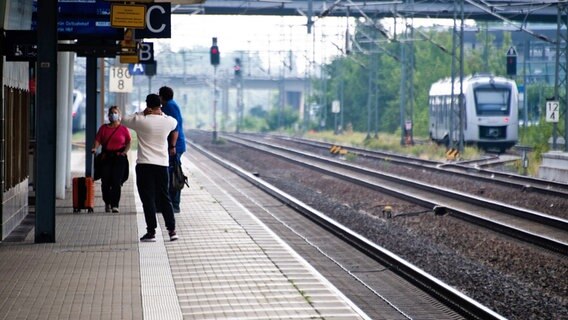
(115, 141)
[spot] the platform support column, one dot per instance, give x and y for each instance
(46, 120)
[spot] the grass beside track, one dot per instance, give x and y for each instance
(422, 148)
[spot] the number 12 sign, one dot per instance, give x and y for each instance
(552, 111)
(120, 80)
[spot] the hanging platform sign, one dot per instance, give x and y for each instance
(82, 20)
(158, 22)
(128, 16)
(19, 45)
(120, 80)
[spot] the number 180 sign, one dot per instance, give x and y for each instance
(120, 80)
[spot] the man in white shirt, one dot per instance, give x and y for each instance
(152, 165)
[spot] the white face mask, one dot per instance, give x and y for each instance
(114, 117)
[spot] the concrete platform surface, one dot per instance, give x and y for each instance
(226, 265)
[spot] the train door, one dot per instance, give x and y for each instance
(470, 132)
(445, 132)
(435, 107)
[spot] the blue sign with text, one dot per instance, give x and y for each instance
(83, 19)
(136, 69)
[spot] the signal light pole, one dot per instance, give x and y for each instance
(239, 83)
(215, 60)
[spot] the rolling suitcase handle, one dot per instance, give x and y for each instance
(93, 157)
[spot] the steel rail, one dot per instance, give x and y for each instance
(523, 183)
(554, 225)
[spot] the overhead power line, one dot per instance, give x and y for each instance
(487, 8)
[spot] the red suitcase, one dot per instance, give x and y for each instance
(83, 194)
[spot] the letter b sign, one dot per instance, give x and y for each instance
(146, 52)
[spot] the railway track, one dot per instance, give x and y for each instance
(386, 260)
(468, 169)
(497, 268)
(534, 227)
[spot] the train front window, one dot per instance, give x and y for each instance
(492, 101)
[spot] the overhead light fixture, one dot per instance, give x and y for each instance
(275, 1)
(371, 3)
(182, 1)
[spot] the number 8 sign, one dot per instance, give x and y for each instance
(120, 80)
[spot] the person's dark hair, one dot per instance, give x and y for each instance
(166, 93)
(153, 100)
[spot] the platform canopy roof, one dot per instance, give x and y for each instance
(541, 11)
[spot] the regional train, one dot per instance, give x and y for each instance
(490, 112)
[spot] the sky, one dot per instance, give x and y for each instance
(271, 36)
(247, 32)
(261, 34)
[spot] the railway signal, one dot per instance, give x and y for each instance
(238, 68)
(512, 62)
(215, 60)
(214, 53)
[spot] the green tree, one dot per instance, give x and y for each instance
(252, 123)
(282, 119)
(432, 52)
(258, 111)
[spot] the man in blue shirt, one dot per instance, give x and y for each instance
(176, 139)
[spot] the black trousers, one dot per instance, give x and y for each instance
(152, 182)
(112, 174)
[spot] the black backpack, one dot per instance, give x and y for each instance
(178, 178)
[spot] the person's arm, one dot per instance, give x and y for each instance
(97, 143)
(129, 121)
(95, 146)
(126, 148)
(172, 141)
(128, 139)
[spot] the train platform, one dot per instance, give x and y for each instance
(225, 265)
